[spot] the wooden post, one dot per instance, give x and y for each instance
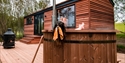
(54, 13)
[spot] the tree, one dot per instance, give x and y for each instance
(13, 11)
(119, 10)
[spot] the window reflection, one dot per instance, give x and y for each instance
(38, 24)
(67, 15)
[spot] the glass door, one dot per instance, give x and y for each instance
(38, 24)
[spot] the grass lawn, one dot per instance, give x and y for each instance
(120, 37)
(19, 36)
(120, 27)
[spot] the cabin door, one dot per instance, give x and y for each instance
(38, 24)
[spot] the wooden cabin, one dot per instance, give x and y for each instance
(95, 14)
(95, 43)
(33, 24)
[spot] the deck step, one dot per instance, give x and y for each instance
(25, 41)
(30, 39)
(32, 36)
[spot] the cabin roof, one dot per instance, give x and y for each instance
(50, 8)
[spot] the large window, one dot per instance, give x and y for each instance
(29, 21)
(67, 15)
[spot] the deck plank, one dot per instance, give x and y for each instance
(22, 53)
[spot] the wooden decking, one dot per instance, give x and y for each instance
(30, 39)
(22, 53)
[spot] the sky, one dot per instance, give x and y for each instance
(57, 1)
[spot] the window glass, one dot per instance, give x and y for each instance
(67, 15)
(29, 21)
(38, 24)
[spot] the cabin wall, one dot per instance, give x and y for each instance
(24, 21)
(48, 20)
(101, 15)
(32, 19)
(29, 29)
(82, 13)
(96, 14)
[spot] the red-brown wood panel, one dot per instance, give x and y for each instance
(29, 29)
(101, 15)
(24, 21)
(48, 20)
(32, 19)
(82, 13)
(97, 15)
(91, 52)
(67, 53)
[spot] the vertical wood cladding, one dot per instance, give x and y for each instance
(101, 15)
(81, 52)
